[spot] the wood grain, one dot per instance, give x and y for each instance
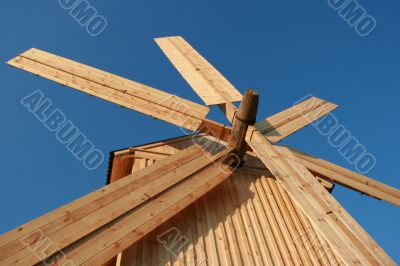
(347, 178)
(287, 122)
(124, 92)
(212, 87)
(343, 234)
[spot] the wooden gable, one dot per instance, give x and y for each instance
(249, 219)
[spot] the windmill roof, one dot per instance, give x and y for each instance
(248, 219)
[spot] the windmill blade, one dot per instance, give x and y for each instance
(347, 178)
(345, 236)
(281, 125)
(124, 92)
(285, 123)
(212, 87)
(207, 81)
(255, 166)
(98, 226)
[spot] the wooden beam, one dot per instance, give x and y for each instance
(151, 155)
(215, 129)
(124, 92)
(285, 123)
(212, 87)
(82, 217)
(278, 126)
(229, 110)
(265, 172)
(347, 178)
(121, 167)
(111, 262)
(245, 116)
(168, 142)
(326, 184)
(350, 242)
(108, 241)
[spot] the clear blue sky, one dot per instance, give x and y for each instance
(284, 49)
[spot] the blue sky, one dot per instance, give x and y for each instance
(283, 49)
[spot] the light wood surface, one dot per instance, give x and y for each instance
(273, 211)
(350, 242)
(212, 87)
(249, 219)
(347, 178)
(78, 219)
(124, 92)
(126, 230)
(285, 123)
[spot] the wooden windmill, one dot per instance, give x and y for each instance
(223, 196)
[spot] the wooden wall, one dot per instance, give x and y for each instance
(247, 220)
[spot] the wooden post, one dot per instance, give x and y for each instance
(245, 116)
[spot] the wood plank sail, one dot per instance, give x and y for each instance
(343, 234)
(350, 179)
(124, 92)
(212, 87)
(104, 207)
(285, 123)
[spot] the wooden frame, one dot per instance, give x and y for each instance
(150, 187)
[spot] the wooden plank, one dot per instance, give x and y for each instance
(342, 233)
(207, 249)
(212, 87)
(277, 209)
(347, 178)
(113, 81)
(111, 262)
(246, 225)
(229, 110)
(77, 210)
(126, 230)
(290, 114)
(190, 252)
(230, 206)
(145, 154)
(215, 129)
(225, 221)
(278, 126)
(121, 167)
(326, 184)
(246, 189)
(285, 123)
(66, 210)
(252, 167)
(129, 94)
(307, 251)
(352, 231)
(311, 247)
(267, 222)
(298, 256)
(295, 125)
(121, 197)
(214, 237)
